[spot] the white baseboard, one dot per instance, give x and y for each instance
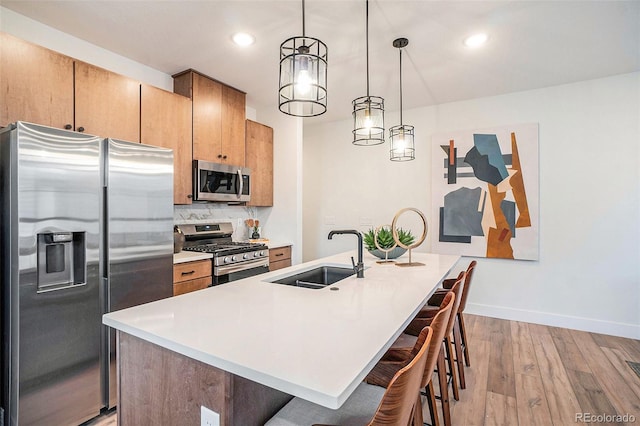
(631, 331)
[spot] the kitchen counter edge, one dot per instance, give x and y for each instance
(190, 256)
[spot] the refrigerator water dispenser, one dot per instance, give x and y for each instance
(61, 260)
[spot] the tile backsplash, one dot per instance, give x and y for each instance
(212, 213)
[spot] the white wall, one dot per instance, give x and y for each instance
(284, 220)
(588, 275)
(43, 35)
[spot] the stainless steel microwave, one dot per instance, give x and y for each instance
(221, 182)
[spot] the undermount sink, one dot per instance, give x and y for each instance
(316, 278)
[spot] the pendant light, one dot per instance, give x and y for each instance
(368, 111)
(401, 137)
(303, 75)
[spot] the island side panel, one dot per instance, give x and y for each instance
(162, 387)
(253, 403)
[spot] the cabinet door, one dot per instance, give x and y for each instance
(36, 84)
(259, 158)
(107, 104)
(191, 270)
(165, 120)
(233, 126)
(191, 285)
(207, 119)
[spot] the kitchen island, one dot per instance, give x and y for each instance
(242, 348)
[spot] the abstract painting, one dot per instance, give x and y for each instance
(485, 192)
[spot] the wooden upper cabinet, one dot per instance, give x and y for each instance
(259, 151)
(165, 120)
(36, 84)
(107, 104)
(207, 118)
(233, 126)
(218, 118)
(41, 86)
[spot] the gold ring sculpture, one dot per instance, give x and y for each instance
(416, 243)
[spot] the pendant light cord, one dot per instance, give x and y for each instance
(401, 123)
(303, 32)
(367, 31)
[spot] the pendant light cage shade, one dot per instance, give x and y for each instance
(368, 111)
(402, 143)
(401, 137)
(368, 120)
(303, 77)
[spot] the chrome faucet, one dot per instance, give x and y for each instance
(357, 268)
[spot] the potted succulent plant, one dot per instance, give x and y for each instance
(385, 241)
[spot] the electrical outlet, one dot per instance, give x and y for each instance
(366, 221)
(208, 417)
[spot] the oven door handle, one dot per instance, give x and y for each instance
(240, 187)
(237, 267)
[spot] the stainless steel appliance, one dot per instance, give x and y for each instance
(221, 182)
(87, 228)
(231, 260)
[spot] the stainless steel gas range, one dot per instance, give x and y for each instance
(231, 260)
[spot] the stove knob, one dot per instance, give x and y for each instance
(262, 253)
(233, 258)
(245, 256)
(226, 260)
(256, 253)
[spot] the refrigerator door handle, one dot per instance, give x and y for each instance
(105, 292)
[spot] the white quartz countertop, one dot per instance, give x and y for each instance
(278, 244)
(315, 344)
(190, 256)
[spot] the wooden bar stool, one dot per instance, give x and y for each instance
(447, 284)
(403, 350)
(368, 405)
(460, 341)
(453, 346)
(424, 317)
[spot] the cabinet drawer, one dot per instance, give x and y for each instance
(191, 270)
(191, 285)
(279, 253)
(279, 264)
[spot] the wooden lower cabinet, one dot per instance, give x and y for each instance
(191, 276)
(279, 258)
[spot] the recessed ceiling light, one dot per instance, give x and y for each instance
(243, 39)
(476, 40)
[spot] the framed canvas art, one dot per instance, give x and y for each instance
(485, 192)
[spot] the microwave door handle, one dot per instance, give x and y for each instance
(240, 187)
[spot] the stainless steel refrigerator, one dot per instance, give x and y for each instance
(86, 228)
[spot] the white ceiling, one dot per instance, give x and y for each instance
(532, 44)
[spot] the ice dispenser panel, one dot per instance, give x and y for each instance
(61, 260)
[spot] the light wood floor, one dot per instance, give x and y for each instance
(526, 374)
